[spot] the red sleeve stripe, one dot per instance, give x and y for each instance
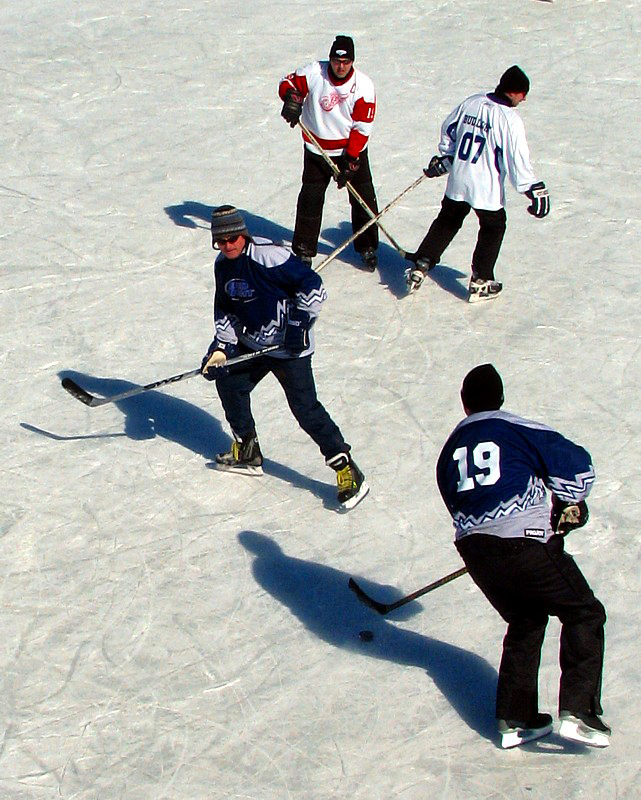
(293, 81)
(363, 111)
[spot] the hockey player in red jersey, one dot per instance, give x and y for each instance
(336, 102)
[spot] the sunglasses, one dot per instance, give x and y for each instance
(227, 240)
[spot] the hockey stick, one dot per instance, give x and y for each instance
(90, 400)
(385, 608)
(350, 188)
(372, 221)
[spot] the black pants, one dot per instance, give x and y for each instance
(296, 377)
(311, 199)
(527, 582)
(492, 226)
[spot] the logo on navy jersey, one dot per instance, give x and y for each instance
(239, 289)
(534, 533)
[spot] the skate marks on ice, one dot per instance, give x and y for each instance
(319, 597)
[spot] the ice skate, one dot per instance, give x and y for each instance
(369, 259)
(416, 275)
(584, 728)
(514, 732)
(481, 289)
(244, 457)
(352, 487)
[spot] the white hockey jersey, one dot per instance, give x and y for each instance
(339, 114)
(486, 140)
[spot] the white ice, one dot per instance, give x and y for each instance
(172, 632)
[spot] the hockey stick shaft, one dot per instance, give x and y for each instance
(349, 187)
(372, 221)
(90, 400)
(385, 608)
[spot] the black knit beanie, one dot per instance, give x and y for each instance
(513, 80)
(482, 389)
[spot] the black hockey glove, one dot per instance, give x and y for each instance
(292, 107)
(217, 368)
(540, 197)
(296, 332)
(437, 166)
(566, 517)
(349, 166)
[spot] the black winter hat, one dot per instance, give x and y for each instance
(227, 221)
(513, 80)
(343, 47)
(482, 389)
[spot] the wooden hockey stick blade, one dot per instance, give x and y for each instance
(385, 608)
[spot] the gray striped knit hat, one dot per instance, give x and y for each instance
(227, 221)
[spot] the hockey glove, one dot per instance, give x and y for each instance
(566, 517)
(296, 337)
(437, 166)
(292, 107)
(349, 166)
(215, 359)
(540, 197)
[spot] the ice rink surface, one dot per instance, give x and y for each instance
(173, 632)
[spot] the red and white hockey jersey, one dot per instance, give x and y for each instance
(486, 140)
(338, 113)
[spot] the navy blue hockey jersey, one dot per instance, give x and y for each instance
(255, 291)
(494, 469)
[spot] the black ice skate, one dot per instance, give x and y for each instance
(584, 728)
(369, 259)
(514, 732)
(482, 289)
(244, 457)
(350, 480)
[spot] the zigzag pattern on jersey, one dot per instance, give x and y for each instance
(270, 329)
(312, 301)
(573, 491)
(534, 493)
(226, 329)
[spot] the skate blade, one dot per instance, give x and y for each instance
(356, 499)
(575, 732)
(517, 736)
(476, 298)
(244, 469)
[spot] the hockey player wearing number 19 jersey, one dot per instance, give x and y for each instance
(336, 102)
(482, 142)
(493, 474)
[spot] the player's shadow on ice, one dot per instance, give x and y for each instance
(320, 598)
(155, 413)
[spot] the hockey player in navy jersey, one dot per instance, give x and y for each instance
(266, 296)
(494, 473)
(336, 102)
(482, 142)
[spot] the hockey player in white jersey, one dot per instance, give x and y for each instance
(336, 102)
(482, 142)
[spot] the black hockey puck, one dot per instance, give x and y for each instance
(366, 636)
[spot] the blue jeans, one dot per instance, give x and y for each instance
(296, 377)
